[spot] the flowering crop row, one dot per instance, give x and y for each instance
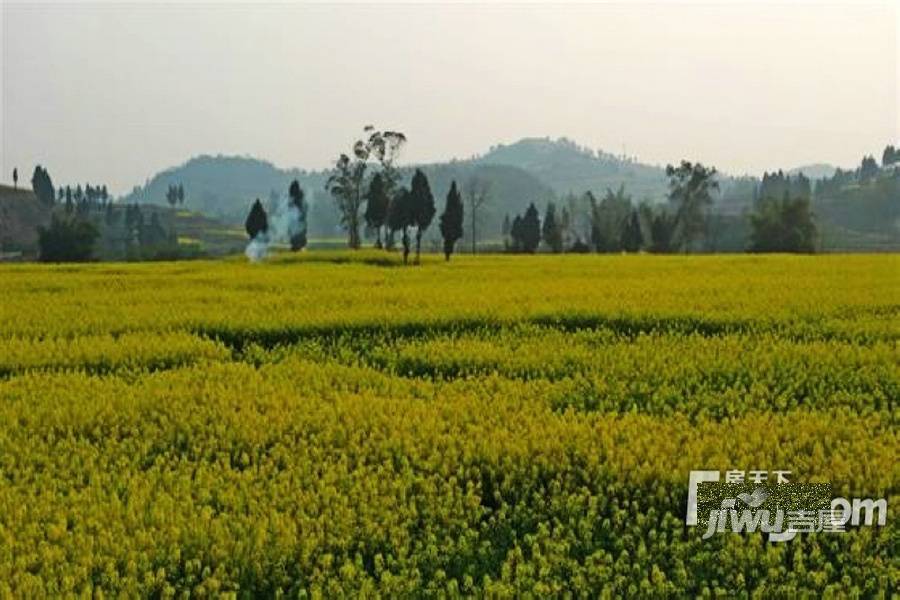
(493, 427)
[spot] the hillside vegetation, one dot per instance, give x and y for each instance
(328, 425)
(20, 216)
(852, 214)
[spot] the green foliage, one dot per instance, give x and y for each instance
(784, 225)
(662, 225)
(861, 202)
(632, 238)
(451, 221)
(422, 206)
(526, 231)
(257, 222)
(777, 185)
(67, 239)
(608, 219)
(552, 230)
(401, 216)
(868, 169)
(345, 185)
(690, 191)
(377, 204)
(42, 186)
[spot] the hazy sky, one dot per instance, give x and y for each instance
(108, 92)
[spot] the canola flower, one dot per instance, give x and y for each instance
(498, 426)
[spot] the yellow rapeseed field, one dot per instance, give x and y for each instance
(332, 424)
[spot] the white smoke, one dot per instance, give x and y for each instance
(258, 248)
(285, 222)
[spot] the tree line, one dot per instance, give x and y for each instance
(368, 175)
(84, 220)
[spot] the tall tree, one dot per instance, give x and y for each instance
(784, 225)
(868, 169)
(531, 230)
(298, 210)
(43, 186)
(451, 222)
(257, 222)
(662, 226)
(477, 192)
(552, 230)
(377, 203)
(890, 156)
(346, 186)
(632, 238)
(180, 194)
(15, 178)
(515, 232)
(400, 218)
(385, 146)
(608, 219)
(422, 207)
(690, 187)
(349, 173)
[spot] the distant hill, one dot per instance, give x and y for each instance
(530, 170)
(567, 167)
(224, 187)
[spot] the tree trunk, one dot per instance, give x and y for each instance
(418, 243)
(405, 246)
(354, 232)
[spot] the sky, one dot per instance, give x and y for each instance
(111, 92)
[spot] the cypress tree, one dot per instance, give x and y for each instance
(377, 204)
(531, 230)
(451, 223)
(422, 207)
(257, 222)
